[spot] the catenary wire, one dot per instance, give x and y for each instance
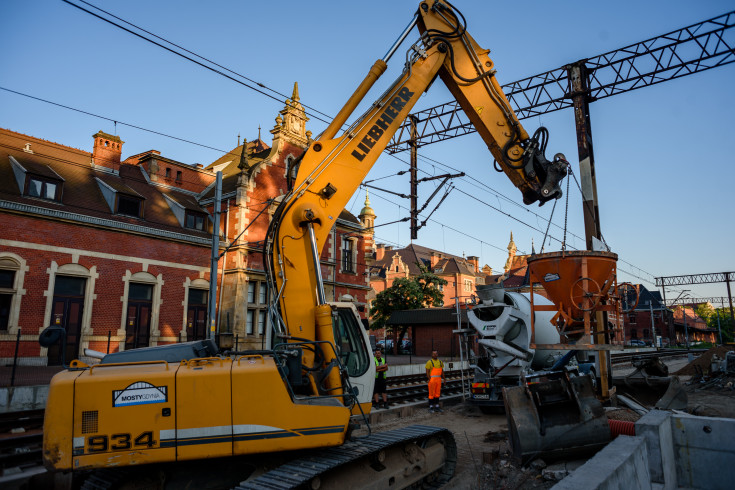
(189, 58)
(240, 75)
(234, 154)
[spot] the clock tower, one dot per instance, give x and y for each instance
(291, 121)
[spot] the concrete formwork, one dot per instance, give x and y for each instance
(669, 450)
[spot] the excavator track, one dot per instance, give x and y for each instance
(418, 456)
(314, 471)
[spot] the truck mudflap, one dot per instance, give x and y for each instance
(395, 459)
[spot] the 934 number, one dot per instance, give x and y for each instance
(119, 442)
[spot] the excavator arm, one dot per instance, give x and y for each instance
(333, 167)
(179, 413)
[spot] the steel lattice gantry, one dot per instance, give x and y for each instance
(714, 277)
(686, 51)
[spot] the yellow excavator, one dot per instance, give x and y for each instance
(186, 416)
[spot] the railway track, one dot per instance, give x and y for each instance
(21, 433)
(404, 390)
(21, 439)
(624, 358)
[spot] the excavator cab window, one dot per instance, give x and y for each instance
(348, 336)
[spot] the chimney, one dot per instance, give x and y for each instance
(107, 150)
(434, 259)
(379, 251)
(475, 261)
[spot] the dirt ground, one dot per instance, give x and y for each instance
(483, 454)
(484, 460)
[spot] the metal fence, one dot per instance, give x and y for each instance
(20, 369)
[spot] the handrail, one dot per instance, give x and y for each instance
(202, 360)
(118, 364)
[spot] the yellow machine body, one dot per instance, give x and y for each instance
(115, 415)
(140, 413)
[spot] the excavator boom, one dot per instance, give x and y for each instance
(333, 167)
(157, 415)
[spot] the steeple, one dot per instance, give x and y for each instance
(243, 165)
(511, 254)
(291, 121)
(295, 94)
(367, 210)
(367, 215)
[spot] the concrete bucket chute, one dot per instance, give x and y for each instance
(579, 283)
(574, 280)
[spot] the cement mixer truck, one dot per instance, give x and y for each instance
(501, 326)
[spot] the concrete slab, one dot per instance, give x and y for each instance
(621, 465)
(655, 429)
(704, 448)
(20, 398)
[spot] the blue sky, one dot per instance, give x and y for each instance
(663, 153)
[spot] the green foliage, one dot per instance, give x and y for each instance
(725, 323)
(705, 311)
(421, 291)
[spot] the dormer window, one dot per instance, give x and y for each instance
(195, 220)
(129, 205)
(43, 188)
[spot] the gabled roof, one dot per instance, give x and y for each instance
(257, 149)
(349, 217)
(417, 254)
(256, 152)
(517, 277)
(693, 320)
(117, 184)
(648, 299)
(82, 195)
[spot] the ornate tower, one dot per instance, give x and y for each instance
(367, 218)
(511, 254)
(367, 215)
(291, 122)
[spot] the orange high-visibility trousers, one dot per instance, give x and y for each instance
(435, 387)
(435, 383)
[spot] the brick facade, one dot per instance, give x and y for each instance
(89, 225)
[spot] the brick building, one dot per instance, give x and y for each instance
(690, 326)
(118, 251)
(462, 274)
(432, 329)
(93, 244)
(637, 324)
(255, 177)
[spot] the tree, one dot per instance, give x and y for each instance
(725, 323)
(705, 311)
(421, 291)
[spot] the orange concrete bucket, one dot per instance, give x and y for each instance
(575, 281)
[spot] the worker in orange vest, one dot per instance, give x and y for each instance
(435, 375)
